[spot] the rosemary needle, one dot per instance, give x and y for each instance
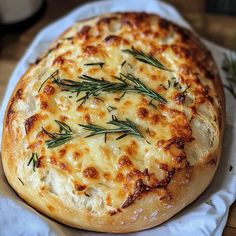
(101, 64)
(57, 139)
(52, 76)
(34, 159)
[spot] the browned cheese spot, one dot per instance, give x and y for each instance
(139, 189)
(77, 155)
(134, 174)
(90, 172)
(63, 118)
(114, 212)
(125, 161)
(62, 152)
(132, 148)
(115, 40)
(90, 50)
(50, 208)
(10, 110)
(63, 166)
(178, 141)
(80, 187)
(154, 119)
(41, 134)
(119, 177)
(29, 123)
(40, 162)
(49, 90)
(59, 60)
(213, 161)
(106, 20)
(179, 98)
(108, 200)
(84, 32)
(151, 133)
(142, 112)
(53, 160)
(107, 176)
(43, 105)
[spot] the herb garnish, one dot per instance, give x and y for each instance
(123, 63)
(93, 87)
(111, 108)
(146, 58)
(101, 64)
(65, 134)
(229, 66)
(34, 159)
(174, 83)
(126, 127)
(52, 76)
(21, 180)
(140, 87)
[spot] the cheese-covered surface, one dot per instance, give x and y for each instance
(103, 183)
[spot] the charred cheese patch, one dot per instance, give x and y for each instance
(106, 175)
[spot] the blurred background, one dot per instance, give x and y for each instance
(21, 20)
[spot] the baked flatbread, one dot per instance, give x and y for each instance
(118, 126)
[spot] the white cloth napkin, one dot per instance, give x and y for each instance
(206, 216)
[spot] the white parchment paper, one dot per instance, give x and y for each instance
(206, 216)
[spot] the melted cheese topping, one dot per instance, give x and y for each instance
(98, 176)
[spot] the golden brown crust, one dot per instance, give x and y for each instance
(110, 186)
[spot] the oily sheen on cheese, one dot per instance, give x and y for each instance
(106, 182)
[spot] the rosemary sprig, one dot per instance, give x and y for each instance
(146, 58)
(52, 76)
(126, 127)
(93, 87)
(34, 159)
(65, 134)
(101, 64)
(229, 66)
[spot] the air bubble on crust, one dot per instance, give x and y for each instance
(169, 206)
(207, 110)
(188, 100)
(115, 26)
(205, 139)
(169, 39)
(154, 215)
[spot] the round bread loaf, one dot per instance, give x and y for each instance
(118, 126)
